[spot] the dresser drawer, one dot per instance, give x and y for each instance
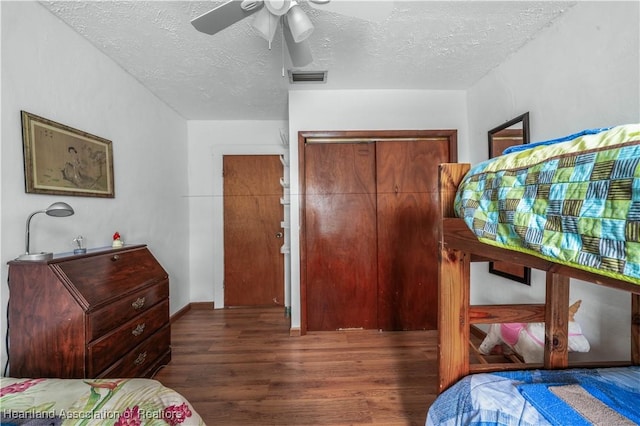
(125, 309)
(110, 348)
(102, 278)
(142, 357)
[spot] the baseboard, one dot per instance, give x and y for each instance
(180, 313)
(202, 305)
(295, 332)
(194, 306)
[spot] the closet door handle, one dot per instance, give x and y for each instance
(279, 235)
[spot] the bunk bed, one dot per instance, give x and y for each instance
(488, 213)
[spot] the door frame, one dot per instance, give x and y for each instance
(337, 136)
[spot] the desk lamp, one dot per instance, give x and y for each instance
(58, 209)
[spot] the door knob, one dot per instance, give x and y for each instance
(279, 234)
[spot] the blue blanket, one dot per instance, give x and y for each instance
(523, 397)
(518, 148)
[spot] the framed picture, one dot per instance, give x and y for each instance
(65, 161)
(513, 132)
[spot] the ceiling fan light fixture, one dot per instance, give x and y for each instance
(299, 23)
(300, 53)
(278, 7)
(266, 24)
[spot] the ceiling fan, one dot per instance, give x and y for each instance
(296, 24)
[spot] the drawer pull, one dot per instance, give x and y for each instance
(141, 357)
(138, 330)
(115, 258)
(139, 303)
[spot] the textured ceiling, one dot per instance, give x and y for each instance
(233, 74)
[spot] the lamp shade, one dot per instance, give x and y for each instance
(299, 24)
(59, 209)
(266, 24)
(300, 53)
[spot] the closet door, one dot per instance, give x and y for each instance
(340, 217)
(407, 200)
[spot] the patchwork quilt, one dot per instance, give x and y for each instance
(574, 202)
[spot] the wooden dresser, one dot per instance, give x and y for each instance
(100, 314)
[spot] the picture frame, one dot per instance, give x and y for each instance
(513, 132)
(61, 160)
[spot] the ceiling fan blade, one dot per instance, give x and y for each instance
(222, 17)
(374, 11)
(300, 53)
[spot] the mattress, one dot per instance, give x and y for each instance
(607, 396)
(574, 201)
(136, 401)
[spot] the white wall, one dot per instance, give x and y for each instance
(208, 142)
(364, 110)
(51, 71)
(583, 72)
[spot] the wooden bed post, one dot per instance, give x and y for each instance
(453, 317)
(556, 336)
(453, 289)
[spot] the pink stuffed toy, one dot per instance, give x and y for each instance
(527, 339)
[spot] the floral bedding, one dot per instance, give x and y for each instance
(575, 202)
(117, 402)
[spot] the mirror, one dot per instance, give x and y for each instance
(513, 132)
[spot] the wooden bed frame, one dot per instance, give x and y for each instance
(459, 247)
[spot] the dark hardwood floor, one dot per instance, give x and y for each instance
(240, 367)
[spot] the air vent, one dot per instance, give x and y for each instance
(296, 77)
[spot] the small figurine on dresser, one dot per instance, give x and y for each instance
(117, 240)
